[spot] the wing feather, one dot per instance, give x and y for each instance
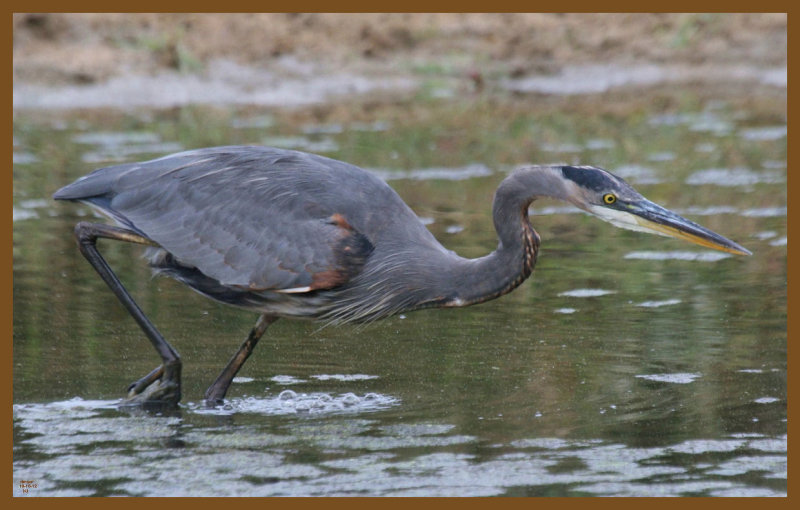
(254, 218)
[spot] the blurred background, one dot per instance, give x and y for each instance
(627, 365)
(401, 52)
(89, 48)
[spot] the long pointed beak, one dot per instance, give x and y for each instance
(656, 219)
(645, 216)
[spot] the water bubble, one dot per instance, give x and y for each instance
(350, 399)
(287, 395)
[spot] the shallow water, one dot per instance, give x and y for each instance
(627, 365)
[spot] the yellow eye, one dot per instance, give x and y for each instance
(609, 198)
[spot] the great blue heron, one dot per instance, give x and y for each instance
(290, 234)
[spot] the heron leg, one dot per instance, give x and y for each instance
(216, 392)
(162, 385)
(138, 386)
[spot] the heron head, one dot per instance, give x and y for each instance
(611, 199)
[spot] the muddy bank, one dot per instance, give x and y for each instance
(162, 60)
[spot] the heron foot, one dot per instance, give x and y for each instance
(213, 403)
(214, 397)
(162, 386)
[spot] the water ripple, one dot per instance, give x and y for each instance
(87, 446)
(734, 177)
(702, 256)
(679, 378)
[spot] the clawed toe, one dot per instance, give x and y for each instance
(159, 392)
(162, 386)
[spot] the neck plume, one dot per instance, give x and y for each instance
(413, 277)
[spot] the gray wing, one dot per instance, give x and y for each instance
(249, 217)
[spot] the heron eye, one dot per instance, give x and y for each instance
(609, 198)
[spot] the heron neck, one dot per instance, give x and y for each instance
(512, 262)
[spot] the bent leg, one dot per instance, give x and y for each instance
(162, 385)
(216, 392)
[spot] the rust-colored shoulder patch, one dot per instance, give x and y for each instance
(350, 250)
(338, 220)
(328, 279)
